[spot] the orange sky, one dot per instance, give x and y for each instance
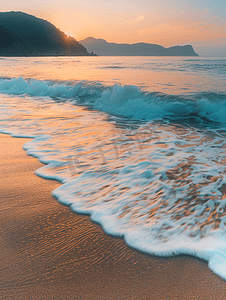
(176, 22)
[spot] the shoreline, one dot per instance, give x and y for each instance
(50, 252)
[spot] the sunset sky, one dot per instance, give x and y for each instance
(201, 23)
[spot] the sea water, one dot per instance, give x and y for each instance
(138, 143)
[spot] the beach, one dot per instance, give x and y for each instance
(49, 252)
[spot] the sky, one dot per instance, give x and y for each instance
(201, 23)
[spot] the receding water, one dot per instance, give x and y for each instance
(137, 142)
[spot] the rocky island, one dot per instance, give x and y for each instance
(103, 48)
(22, 34)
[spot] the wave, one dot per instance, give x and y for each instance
(128, 100)
(161, 187)
(115, 67)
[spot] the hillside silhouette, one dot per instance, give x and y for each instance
(103, 48)
(22, 34)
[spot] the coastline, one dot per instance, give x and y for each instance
(49, 252)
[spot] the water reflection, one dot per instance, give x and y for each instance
(171, 75)
(164, 177)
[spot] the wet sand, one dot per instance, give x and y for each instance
(49, 252)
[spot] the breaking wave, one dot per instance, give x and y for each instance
(128, 100)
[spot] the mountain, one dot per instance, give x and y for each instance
(102, 47)
(22, 34)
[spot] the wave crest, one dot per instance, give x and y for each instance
(127, 100)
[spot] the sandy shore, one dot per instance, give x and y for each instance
(49, 252)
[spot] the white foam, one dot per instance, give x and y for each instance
(162, 197)
(116, 99)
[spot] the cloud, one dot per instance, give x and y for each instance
(137, 19)
(140, 18)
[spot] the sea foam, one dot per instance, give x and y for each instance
(117, 99)
(157, 182)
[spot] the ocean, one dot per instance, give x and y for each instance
(138, 143)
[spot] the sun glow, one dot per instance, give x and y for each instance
(69, 34)
(131, 21)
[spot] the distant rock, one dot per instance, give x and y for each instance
(22, 34)
(103, 48)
